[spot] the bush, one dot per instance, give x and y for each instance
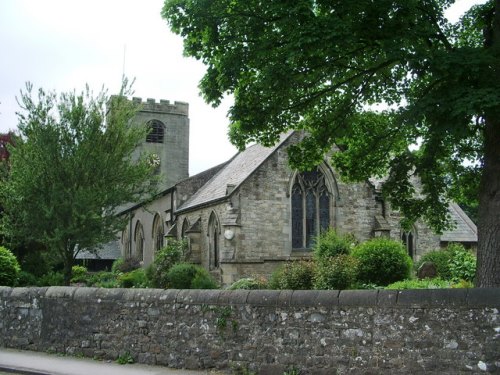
(37, 263)
(51, 279)
(125, 265)
(9, 267)
(103, 279)
(440, 259)
(134, 279)
(78, 274)
(248, 283)
(382, 261)
(189, 276)
(27, 279)
(436, 283)
(165, 258)
(296, 275)
(336, 272)
(462, 263)
(330, 244)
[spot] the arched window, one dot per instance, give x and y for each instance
(409, 240)
(156, 131)
(185, 227)
(213, 238)
(310, 208)
(158, 233)
(127, 246)
(139, 241)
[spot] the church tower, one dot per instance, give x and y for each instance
(167, 139)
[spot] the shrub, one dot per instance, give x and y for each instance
(440, 259)
(189, 276)
(165, 258)
(103, 279)
(37, 263)
(125, 265)
(382, 261)
(330, 244)
(296, 275)
(134, 279)
(9, 267)
(248, 283)
(27, 279)
(336, 272)
(462, 263)
(436, 283)
(79, 274)
(51, 279)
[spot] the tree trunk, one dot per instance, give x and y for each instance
(68, 265)
(488, 250)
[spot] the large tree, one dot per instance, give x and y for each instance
(73, 166)
(323, 66)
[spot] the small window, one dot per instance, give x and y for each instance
(158, 233)
(408, 239)
(156, 132)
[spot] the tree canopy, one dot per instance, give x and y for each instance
(72, 167)
(400, 89)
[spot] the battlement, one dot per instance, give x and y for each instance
(163, 106)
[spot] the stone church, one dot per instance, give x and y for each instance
(253, 212)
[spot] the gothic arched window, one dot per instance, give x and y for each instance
(409, 241)
(213, 238)
(158, 233)
(139, 241)
(127, 246)
(310, 208)
(156, 131)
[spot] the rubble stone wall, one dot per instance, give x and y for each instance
(268, 332)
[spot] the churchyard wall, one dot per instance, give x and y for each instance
(269, 332)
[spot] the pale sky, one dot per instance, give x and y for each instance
(63, 44)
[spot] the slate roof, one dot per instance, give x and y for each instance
(237, 170)
(465, 230)
(110, 250)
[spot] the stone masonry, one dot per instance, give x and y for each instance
(317, 332)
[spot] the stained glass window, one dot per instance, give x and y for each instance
(156, 132)
(310, 208)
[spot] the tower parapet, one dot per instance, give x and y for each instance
(163, 106)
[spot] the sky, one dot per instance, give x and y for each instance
(62, 45)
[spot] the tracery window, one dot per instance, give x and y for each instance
(156, 132)
(310, 208)
(158, 233)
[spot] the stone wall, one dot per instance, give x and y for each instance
(317, 332)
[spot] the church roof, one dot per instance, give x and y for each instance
(464, 231)
(237, 170)
(110, 250)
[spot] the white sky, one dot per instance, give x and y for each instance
(63, 44)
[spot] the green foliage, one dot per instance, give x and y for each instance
(248, 283)
(436, 283)
(189, 276)
(440, 259)
(462, 263)
(51, 278)
(296, 275)
(36, 262)
(382, 261)
(103, 279)
(325, 76)
(9, 267)
(125, 358)
(79, 274)
(336, 273)
(72, 167)
(330, 244)
(27, 279)
(125, 265)
(134, 279)
(173, 253)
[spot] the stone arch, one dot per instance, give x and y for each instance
(156, 131)
(313, 196)
(158, 233)
(213, 233)
(409, 240)
(185, 227)
(139, 241)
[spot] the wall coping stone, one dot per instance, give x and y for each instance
(421, 298)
